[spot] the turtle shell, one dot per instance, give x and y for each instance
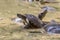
(34, 21)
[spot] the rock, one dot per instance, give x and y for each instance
(48, 1)
(52, 28)
(49, 8)
(17, 20)
(51, 1)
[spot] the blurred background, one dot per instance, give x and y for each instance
(12, 31)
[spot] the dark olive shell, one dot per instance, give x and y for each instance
(34, 21)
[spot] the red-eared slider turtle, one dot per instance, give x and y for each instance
(52, 28)
(33, 21)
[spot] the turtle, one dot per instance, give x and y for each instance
(33, 21)
(42, 14)
(52, 28)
